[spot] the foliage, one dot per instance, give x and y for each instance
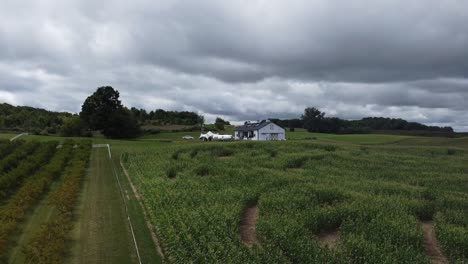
(14, 209)
(49, 244)
(291, 123)
(375, 196)
(6, 147)
(121, 124)
(26, 166)
(99, 106)
(103, 111)
(162, 117)
(219, 123)
(21, 151)
(315, 121)
(30, 119)
(74, 127)
(381, 123)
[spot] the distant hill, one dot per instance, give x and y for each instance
(161, 117)
(30, 119)
(381, 125)
(41, 121)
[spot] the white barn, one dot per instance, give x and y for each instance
(263, 130)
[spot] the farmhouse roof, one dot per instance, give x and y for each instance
(253, 126)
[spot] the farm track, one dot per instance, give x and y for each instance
(373, 172)
(137, 195)
(248, 223)
(101, 233)
(329, 239)
(431, 244)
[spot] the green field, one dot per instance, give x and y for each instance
(33, 179)
(315, 198)
(102, 233)
(373, 192)
(102, 230)
(94, 229)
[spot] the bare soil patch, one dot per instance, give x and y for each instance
(431, 244)
(329, 239)
(155, 239)
(248, 223)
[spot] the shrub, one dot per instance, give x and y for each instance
(295, 162)
(202, 170)
(193, 153)
(177, 153)
(171, 172)
(222, 152)
(273, 153)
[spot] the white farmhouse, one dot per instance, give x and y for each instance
(263, 130)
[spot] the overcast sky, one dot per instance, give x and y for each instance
(244, 59)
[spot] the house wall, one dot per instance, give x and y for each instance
(256, 133)
(265, 132)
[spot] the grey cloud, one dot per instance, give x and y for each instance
(376, 42)
(242, 59)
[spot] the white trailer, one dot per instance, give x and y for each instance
(212, 136)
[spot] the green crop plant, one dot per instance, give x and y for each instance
(375, 197)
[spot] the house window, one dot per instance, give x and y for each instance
(271, 127)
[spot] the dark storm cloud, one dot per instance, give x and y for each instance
(351, 41)
(242, 59)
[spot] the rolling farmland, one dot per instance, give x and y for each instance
(313, 199)
(233, 132)
(62, 202)
(305, 201)
(34, 172)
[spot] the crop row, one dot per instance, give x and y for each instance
(374, 196)
(48, 245)
(16, 207)
(26, 168)
(22, 151)
(6, 147)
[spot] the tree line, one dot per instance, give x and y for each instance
(102, 111)
(34, 120)
(162, 117)
(315, 120)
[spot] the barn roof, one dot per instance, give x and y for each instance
(253, 126)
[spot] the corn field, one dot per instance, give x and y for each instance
(374, 197)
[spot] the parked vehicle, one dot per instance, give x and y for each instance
(187, 137)
(212, 136)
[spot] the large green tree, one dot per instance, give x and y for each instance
(104, 111)
(219, 123)
(72, 127)
(313, 119)
(122, 124)
(99, 106)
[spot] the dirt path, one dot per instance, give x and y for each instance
(18, 136)
(248, 223)
(329, 239)
(431, 244)
(148, 223)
